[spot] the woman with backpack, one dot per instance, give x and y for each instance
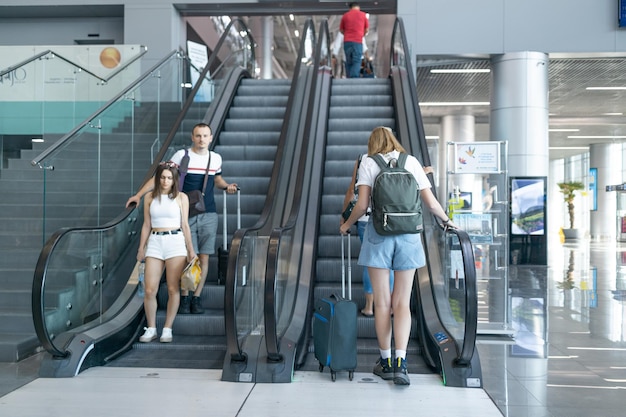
(384, 250)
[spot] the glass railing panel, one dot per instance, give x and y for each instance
(48, 93)
(249, 284)
(83, 277)
(452, 307)
(237, 50)
(289, 249)
(88, 178)
(398, 56)
(286, 291)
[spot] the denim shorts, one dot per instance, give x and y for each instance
(166, 246)
(396, 252)
(203, 231)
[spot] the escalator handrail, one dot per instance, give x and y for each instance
(471, 298)
(422, 145)
(418, 141)
(59, 144)
(272, 264)
(230, 284)
(39, 277)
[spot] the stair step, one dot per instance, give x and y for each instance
(15, 346)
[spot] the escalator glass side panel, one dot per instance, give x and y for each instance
(85, 276)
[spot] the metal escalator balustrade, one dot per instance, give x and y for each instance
(447, 309)
(103, 315)
(245, 284)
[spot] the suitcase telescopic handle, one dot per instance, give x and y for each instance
(343, 267)
(225, 216)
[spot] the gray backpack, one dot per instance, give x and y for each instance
(396, 206)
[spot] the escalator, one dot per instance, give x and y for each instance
(444, 325)
(248, 118)
(357, 106)
(247, 142)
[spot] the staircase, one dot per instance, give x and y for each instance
(70, 201)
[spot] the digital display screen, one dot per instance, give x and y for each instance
(528, 205)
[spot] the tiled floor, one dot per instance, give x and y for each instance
(568, 359)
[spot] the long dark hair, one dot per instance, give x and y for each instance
(166, 166)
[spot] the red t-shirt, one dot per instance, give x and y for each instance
(353, 25)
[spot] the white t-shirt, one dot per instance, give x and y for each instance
(366, 216)
(369, 169)
(195, 174)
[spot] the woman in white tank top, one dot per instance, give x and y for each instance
(165, 242)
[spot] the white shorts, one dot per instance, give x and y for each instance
(166, 246)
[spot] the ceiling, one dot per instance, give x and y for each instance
(596, 114)
(599, 116)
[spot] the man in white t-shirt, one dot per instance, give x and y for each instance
(204, 225)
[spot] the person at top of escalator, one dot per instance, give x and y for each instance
(165, 242)
(354, 25)
(204, 225)
(402, 253)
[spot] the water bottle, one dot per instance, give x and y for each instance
(141, 271)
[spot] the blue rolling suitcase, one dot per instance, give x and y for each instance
(335, 326)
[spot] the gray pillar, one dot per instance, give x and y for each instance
(607, 158)
(519, 110)
(456, 128)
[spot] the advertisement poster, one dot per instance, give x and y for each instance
(528, 199)
(477, 157)
(199, 57)
(593, 188)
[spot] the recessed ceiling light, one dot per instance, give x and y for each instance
(37, 140)
(460, 71)
(596, 137)
(605, 88)
(561, 148)
(563, 130)
(612, 114)
(456, 103)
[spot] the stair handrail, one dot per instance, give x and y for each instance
(37, 161)
(104, 80)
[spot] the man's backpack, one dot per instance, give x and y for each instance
(396, 206)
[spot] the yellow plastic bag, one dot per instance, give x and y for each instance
(190, 278)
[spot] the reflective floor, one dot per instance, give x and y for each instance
(567, 358)
(568, 355)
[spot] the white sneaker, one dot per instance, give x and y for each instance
(166, 336)
(149, 335)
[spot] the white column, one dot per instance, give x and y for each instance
(519, 110)
(456, 128)
(268, 37)
(607, 158)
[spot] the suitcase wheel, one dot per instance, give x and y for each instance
(333, 375)
(351, 375)
(321, 367)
